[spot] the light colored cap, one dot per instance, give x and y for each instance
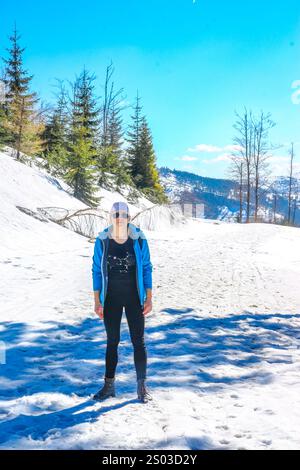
(119, 206)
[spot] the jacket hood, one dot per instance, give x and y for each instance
(134, 232)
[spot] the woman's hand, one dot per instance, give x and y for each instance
(147, 306)
(99, 310)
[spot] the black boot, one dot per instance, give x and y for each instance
(108, 389)
(142, 391)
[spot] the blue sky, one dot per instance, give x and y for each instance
(193, 62)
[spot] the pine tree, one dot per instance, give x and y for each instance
(149, 181)
(56, 135)
(115, 132)
(141, 157)
(4, 136)
(109, 150)
(20, 103)
(80, 172)
(80, 163)
(112, 154)
(84, 104)
(133, 139)
(111, 158)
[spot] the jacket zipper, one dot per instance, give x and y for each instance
(137, 282)
(103, 283)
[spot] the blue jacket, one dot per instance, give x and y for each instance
(143, 264)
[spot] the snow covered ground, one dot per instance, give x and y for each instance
(223, 337)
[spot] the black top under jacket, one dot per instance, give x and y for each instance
(121, 261)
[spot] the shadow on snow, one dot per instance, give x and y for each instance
(182, 352)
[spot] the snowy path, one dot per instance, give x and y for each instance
(223, 345)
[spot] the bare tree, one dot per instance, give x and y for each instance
(290, 182)
(261, 153)
(236, 173)
(249, 160)
(111, 101)
(275, 207)
(296, 190)
(241, 157)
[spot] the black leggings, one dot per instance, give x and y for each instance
(119, 295)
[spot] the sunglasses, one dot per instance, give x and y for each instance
(123, 215)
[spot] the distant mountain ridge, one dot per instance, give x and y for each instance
(220, 196)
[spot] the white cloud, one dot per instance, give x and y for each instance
(278, 158)
(204, 148)
(232, 148)
(213, 148)
(280, 165)
(186, 158)
(283, 170)
(223, 157)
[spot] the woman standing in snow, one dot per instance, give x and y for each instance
(122, 277)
